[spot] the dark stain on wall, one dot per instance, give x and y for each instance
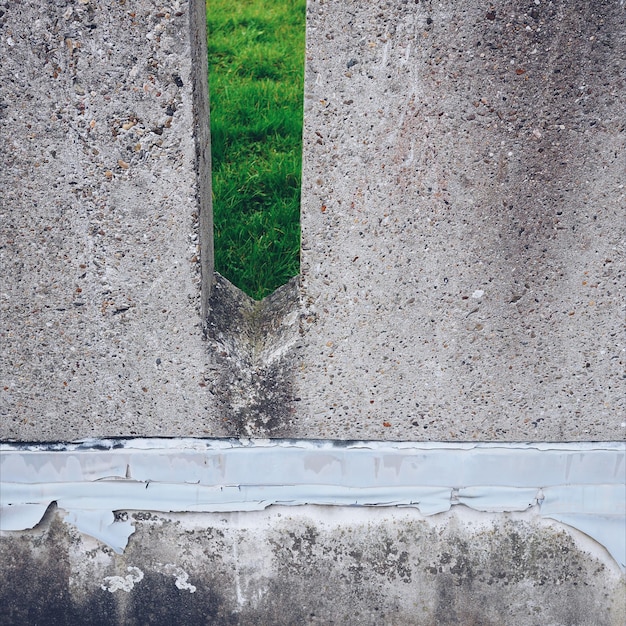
(158, 601)
(302, 570)
(35, 587)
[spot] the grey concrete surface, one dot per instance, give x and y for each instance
(463, 221)
(104, 193)
(313, 565)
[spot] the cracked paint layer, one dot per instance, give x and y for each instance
(581, 485)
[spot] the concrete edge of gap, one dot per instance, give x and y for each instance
(580, 485)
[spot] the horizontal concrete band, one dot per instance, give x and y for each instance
(579, 484)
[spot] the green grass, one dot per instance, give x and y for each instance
(256, 74)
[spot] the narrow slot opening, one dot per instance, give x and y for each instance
(256, 84)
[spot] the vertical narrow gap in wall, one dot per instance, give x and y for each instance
(202, 137)
(256, 75)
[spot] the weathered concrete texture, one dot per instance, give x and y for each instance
(463, 220)
(102, 188)
(462, 260)
(253, 347)
(313, 566)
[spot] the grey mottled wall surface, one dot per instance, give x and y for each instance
(462, 279)
(300, 567)
(463, 220)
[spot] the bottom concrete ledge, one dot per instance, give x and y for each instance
(155, 531)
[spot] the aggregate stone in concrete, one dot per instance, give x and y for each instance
(104, 194)
(463, 221)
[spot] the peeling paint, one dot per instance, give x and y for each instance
(123, 583)
(581, 485)
(181, 576)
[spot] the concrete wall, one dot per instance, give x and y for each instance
(105, 192)
(462, 280)
(463, 221)
(462, 253)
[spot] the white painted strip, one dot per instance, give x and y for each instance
(582, 485)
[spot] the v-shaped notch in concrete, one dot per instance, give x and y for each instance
(254, 346)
